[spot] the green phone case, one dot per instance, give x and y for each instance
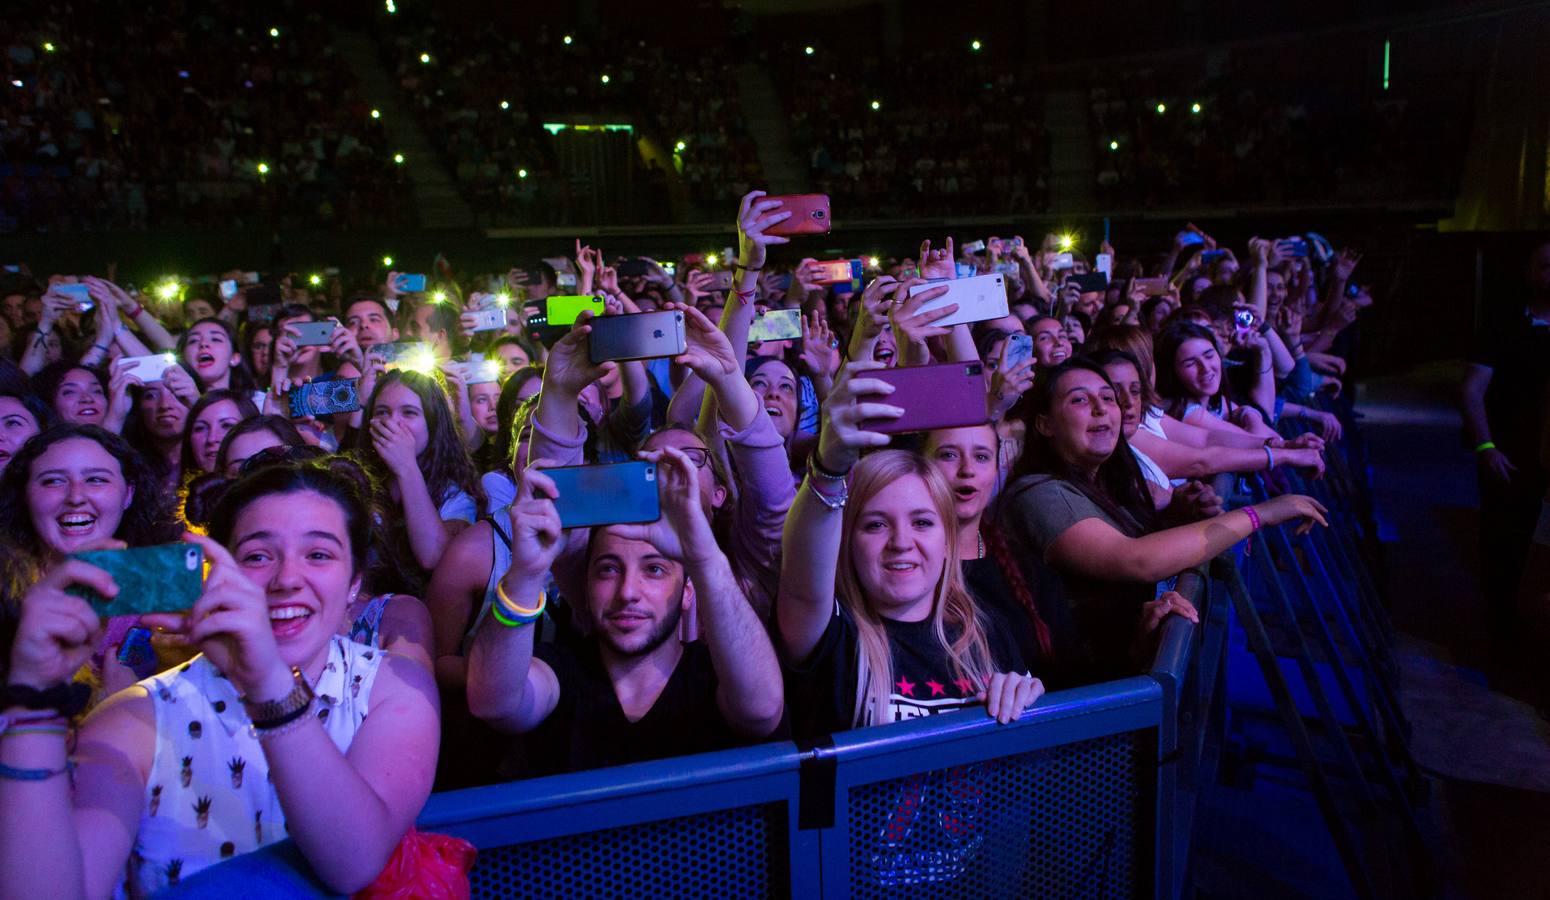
(164, 578)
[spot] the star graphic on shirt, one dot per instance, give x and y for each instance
(965, 686)
(905, 686)
(937, 688)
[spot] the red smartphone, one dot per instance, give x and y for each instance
(835, 271)
(809, 215)
(942, 395)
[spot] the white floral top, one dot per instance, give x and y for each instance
(209, 796)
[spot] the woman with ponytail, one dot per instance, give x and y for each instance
(874, 621)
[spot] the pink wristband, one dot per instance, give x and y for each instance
(1253, 519)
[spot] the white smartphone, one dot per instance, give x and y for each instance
(148, 369)
(979, 298)
(1104, 262)
(776, 325)
(477, 370)
(1061, 261)
(489, 319)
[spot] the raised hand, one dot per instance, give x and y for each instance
(707, 350)
(911, 327)
(343, 345)
(820, 351)
(181, 384)
(568, 368)
(1345, 264)
(1007, 384)
(697, 284)
(937, 264)
(841, 435)
(535, 524)
(57, 630)
(754, 215)
(872, 317)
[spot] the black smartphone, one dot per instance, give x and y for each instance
(648, 335)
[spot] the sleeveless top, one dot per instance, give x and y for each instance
(367, 627)
(208, 797)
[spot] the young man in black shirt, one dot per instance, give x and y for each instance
(634, 690)
(1503, 402)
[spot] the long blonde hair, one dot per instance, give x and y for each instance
(952, 605)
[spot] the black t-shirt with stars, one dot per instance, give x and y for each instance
(821, 693)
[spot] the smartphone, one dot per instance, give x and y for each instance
(1153, 287)
(264, 313)
(776, 325)
(648, 335)
(720, 281)
(477, 370)
(313, 334)
(1091, 282)
(489, 319)
(228, 289)
(943, 395)
(612, 494)
(565, 309)
(136, 653)
(1191, 238)
(149, 369)
(1210, 256)
(565, 280)
(164, 578)
(410, 284)
(833, 271)
(809, 214)
(634, 268)
(1104, 262)
(1061, 261)
(250, 278)
(79, 293)
(1296, 247)
(964, 270)
(670, 268)
(321, 398)
(974, 247)
(394, 355)
(1019, 349)
(979, 298)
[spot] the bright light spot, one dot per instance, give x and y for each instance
(1113, 145)
(425, 58)
(604, 79)
(809, 51)
(315, 280)
(376, 114)
(505, 104)
(16, 82)
(274, 32)
(167, 290)
(438, 296)
(680, 146)
(521, 173)
(1195, 108)
(874, 263)
(263, 168)
(710, 259)
(975, 46)
(567, 40)
(391, 7)
(387, 260)
(877, 104)
(422, 360)
(1162, 108)
(398, 158)
(1067, 242)
(503, 299)
(48, 46)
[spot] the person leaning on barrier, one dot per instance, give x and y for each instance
(634, 691)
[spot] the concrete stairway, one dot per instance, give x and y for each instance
(436, 197)
(785, 172)
(1073, 178)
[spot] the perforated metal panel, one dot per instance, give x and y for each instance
(732, 853)
(1068, 821)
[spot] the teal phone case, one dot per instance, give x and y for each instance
(164, 578)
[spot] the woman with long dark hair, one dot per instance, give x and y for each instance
(1078, 500)
(208, 349)
(208, 421)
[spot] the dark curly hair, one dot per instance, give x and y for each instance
(46, 383)
(149, 520)
(338, 478)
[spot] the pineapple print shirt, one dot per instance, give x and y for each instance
(209, 796)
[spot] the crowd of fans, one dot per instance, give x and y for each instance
(889, 137)
(186, 114)
(422, 551)
(484, 96)
(1228, 139)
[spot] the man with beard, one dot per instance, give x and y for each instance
(632, 690)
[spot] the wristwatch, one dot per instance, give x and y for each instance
(275, 713)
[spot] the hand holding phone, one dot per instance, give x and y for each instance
(149, 369)
(167, 578)
(809, 214)
(313, 334)
(322, 398)
(612, 494)
(648, 335)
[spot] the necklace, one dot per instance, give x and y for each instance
(981, 538)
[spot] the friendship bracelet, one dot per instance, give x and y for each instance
(1253, 519)
(292, 722)
(834, 503)
(10, 773)
(818, 469)
(516, 610)
(1488, 445)
(497, 615)
(60, 730)
(1270, 460)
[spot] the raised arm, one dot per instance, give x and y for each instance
(810, 546)
(507, 687)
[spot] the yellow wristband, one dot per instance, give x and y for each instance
(512, 608)
(1488, 445)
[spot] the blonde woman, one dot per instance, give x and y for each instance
(874, 620)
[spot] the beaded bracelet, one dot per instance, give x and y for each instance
(1254, 523)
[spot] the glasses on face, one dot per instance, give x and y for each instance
(697, 455)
